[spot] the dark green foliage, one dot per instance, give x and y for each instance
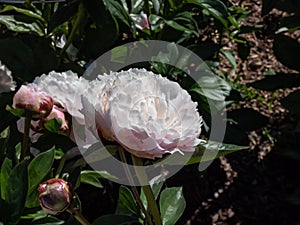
(38, 38)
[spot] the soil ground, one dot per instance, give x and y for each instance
(253, 186)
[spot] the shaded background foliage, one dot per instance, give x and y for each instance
(41, 37)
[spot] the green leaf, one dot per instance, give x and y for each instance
(230, 57)
(22, 11)
(45, 58)
(53, 125)
(42, 218)
(172, 205)
(220, 149)
(15, 112)
(271, 83)
(137, 6)
(156, 184)
(62, 14)
(100, 15)
(205, 50)
(39, 167)
(287, 51)
(184, 22)
(99, 40)
(215, 8)
(291, 22)
(49, 220)
(90, 179)
(243, 50)
(212, 87)
(158, 6)
(115, 220)
(5, 133)
(5, 171)
(128, 200)
(99, 174)
(118, 11)
(22, 24)
(4, 142)
(292, 102)
(15, 53)
(16, 191)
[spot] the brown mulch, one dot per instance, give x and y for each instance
(252, 186)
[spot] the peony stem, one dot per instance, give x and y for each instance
(25, 137)
(141, 174)
(80, 15)
(60, 166)
(147, 8)
(78, 216)
(133, 188)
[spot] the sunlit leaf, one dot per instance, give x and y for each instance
(172, 205)
(215, 8)
(22, 11)
(22, 24)
(15, 112)
(219, 149)
(53, 125)
(37, 170)
(128, 200)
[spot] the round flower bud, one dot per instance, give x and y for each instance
(31, 98)
(55, 196)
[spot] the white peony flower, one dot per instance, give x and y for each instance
(66, 90)
(146, 113)
(6, 81)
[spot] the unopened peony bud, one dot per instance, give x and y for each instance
(55, 196)
(31, 98)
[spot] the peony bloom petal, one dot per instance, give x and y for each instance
(6, 81)
(146, 113)
(66, 89)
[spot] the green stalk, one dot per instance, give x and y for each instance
(133, 187)
(152, 205)
(80, 16)
(78, 216)
(147, 8)
(60, 166)
(25, 137)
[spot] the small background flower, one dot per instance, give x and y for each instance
(7, 83)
